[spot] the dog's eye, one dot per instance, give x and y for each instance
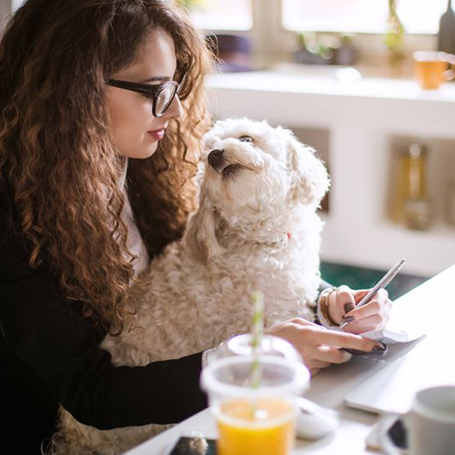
(245, 139)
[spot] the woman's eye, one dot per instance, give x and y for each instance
(245, 139)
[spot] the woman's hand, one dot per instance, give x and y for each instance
(372, 316)
(318, 346)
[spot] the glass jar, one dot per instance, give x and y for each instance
(450, 203)
(412, 203)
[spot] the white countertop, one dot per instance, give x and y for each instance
(330, 81)
(418, 309)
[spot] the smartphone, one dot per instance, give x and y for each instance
(192, 445)
(397, 433)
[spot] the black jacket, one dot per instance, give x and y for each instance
(49, 354)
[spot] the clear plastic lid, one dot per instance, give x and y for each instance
(231, 377)
(240, 345)
(282, 372)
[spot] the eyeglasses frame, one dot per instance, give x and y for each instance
(151, 91)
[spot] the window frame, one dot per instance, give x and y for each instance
(273, 43)
(5, 10)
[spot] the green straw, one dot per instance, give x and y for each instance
(257, 328)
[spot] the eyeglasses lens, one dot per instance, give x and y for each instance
(164, 99)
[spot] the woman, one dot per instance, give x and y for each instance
(102, 108)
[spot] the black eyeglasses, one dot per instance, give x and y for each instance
(162, 95)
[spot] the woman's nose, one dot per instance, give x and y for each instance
(175, 110)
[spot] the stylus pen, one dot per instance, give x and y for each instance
(382, 283)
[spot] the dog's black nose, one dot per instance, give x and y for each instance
(216, 158)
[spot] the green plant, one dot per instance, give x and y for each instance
(394, 38)
(190, 4)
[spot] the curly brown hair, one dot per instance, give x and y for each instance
(57, 161)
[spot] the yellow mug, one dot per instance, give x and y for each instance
(431, 68)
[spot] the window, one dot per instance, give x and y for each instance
(222, 14)
(211, 14)
(15, 4)
(369, 16)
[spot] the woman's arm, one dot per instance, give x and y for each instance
(49, 334)
(320, 347)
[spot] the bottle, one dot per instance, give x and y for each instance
(446, 35)
(412, 207)
(450, 203)
(394, 38)
(414, 212)
(346, 53)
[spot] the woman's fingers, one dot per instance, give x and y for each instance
(318, 346)
(359, 294)
(368, 324)
(318, 364)
(345, 296)
(374, 313)
(326, 337)
(340, 302)
(375, 307)
(312, 336)
(371, 316)
(332, 355)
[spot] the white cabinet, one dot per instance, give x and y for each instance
(360, 124)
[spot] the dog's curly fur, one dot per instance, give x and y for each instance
(256, 229)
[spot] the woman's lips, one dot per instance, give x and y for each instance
(157, 134)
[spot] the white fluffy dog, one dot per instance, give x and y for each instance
(256, 229)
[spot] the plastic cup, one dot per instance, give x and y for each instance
(256, 420)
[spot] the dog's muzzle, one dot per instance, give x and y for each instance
(216, 159)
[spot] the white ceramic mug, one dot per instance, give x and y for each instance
(430, 424)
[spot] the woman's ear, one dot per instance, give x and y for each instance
(310, 178)
(200, 235)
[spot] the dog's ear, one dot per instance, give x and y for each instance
(310, 179)
(200, 235)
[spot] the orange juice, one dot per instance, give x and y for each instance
(266, 429)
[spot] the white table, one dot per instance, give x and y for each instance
(430, 306)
